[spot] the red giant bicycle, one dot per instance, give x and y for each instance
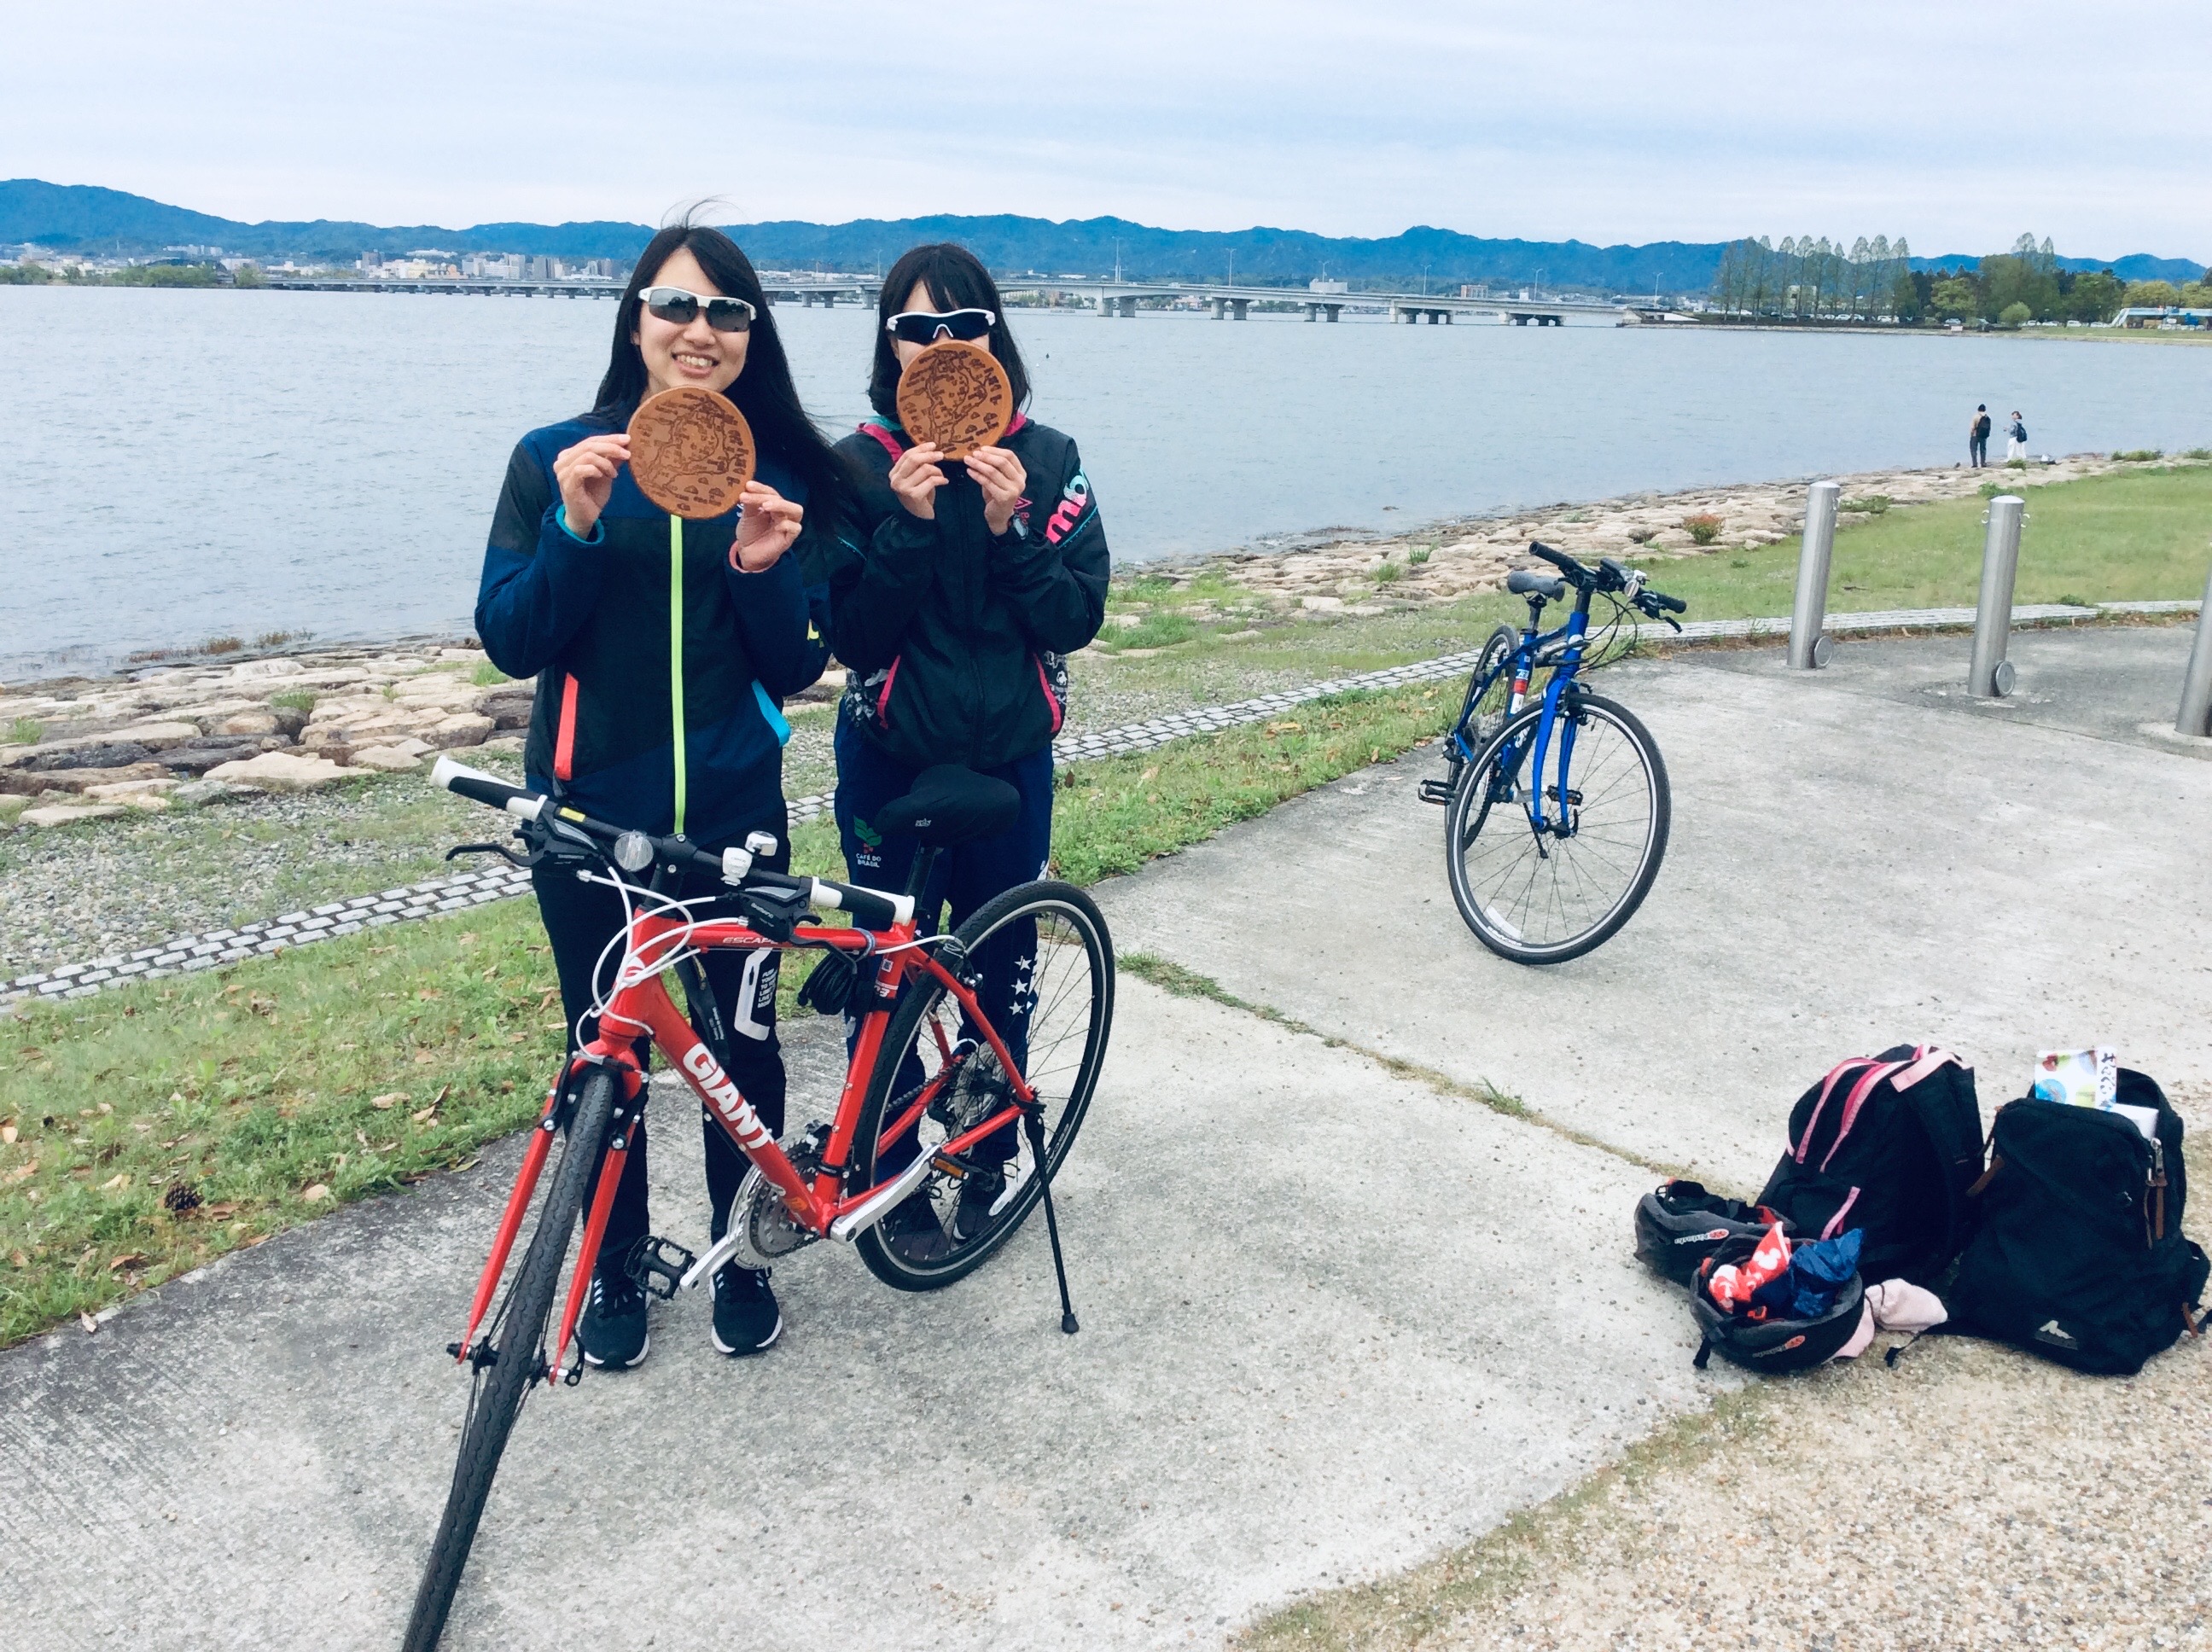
(941, 1087)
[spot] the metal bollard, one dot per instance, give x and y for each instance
(1990, 675)
(2196, 716)
(1809, 646)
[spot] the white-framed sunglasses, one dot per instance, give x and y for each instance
(924, 326)
(674, 304)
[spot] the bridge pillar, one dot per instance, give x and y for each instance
(1240, 305)
(828, 299)
(1105, 307)
(1333, 309)
(1220, 309)
(1130, 307)
(1313, 312)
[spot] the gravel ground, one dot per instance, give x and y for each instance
(1970, 1497)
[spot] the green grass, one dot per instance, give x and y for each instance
(487, 675)
(160, 1126)
(2133, 536)
(25, 731)
(301, 700)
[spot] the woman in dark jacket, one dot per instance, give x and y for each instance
(665, 715)
(973, 580)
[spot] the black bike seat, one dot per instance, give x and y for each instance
(951, 805)
(1526, 582)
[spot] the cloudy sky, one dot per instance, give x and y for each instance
(1956, 125)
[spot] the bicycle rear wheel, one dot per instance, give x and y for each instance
(517, 1333)
(1545, 898)
(1495, 662)
(1063, 971)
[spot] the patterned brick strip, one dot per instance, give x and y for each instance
(498, 883)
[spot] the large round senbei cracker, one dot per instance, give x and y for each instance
(955, 394)
(690, 452)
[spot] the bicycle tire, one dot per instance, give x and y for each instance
(521, 1335)
(1472, 808)
(1065, 1110)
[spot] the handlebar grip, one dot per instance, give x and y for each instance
(1558, 559)
(870, 908)
(1674, 603)
(489, 789)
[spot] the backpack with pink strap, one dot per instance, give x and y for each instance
(1888, 1144)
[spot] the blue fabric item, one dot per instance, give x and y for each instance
(554, 604)
(773, 713)
(598, 535)
(1819, 1270)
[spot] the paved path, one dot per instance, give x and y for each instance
(1861, 856)
(1334, 1319)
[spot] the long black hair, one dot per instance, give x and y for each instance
(957, 280)
(763, 391)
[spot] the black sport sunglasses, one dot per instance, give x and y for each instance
(922, 326)
(682, 308)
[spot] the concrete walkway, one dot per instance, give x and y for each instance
(1335, 1319)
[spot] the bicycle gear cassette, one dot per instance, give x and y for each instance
(761, 1223)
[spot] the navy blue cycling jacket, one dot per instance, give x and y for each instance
(625, 668)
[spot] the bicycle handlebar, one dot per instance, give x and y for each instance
(869, 908)
(1610, 575)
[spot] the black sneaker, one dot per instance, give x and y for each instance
(981, 1190)
(612, 1325)
(914, 1232)
(746, 1318)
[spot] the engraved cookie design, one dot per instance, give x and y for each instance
(954, 394)
(690, 452)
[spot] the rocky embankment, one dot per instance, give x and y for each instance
(1451, 560)
(196, 733)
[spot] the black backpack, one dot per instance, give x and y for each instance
(1887, 1144)
(2079, 1254)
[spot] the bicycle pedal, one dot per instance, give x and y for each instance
(1437, 792)
(657, 1266)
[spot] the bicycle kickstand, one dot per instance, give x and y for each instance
(1034, 1126)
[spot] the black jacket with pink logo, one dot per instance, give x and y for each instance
(953, 636)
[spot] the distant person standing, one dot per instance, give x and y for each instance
(2015, 439)
(1977, 436)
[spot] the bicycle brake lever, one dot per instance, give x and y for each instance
(527, 862)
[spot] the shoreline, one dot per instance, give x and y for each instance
(1325, 570)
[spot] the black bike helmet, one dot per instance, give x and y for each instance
(1772, 1343)
(1678, 1224)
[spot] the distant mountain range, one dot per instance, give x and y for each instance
(83, 218)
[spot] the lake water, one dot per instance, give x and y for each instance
(195, 464)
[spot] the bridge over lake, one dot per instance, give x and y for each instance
(1111, 297)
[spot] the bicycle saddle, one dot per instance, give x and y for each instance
(951, 805)
(1526, 581)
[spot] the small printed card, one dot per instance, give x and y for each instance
(2078, 1077)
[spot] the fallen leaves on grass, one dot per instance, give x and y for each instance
(129, 1258)
(315, 1194)
(385, 1102)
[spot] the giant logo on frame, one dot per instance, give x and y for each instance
(721, 1094)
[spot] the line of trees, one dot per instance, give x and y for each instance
(1818, 280)
(1815, 280)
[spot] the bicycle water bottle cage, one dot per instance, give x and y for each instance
(773, 913)
(828, 988)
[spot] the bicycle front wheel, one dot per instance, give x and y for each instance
(1545, 897)
(1042, 965)
(517, 1333)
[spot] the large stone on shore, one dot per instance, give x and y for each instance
(103, 754)
(509, 705)
(388, 759)
(249, 722)
(465, 728)
(198, 794)
(283, 771)
(63, 814)
(203, 755)
(30, 783)
(130, 792)
(159, 736)
(259, 670)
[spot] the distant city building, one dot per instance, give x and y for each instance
(1475, 289)
(1328, 287)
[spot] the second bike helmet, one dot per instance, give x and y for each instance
(1678, 1224)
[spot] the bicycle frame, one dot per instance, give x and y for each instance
(1565, 663)
(643, 1008)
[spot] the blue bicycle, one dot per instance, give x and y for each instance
(1559, 808)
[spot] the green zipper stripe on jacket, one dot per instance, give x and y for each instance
(676, 658)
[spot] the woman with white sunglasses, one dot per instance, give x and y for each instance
(973, 579)
(663, 649)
